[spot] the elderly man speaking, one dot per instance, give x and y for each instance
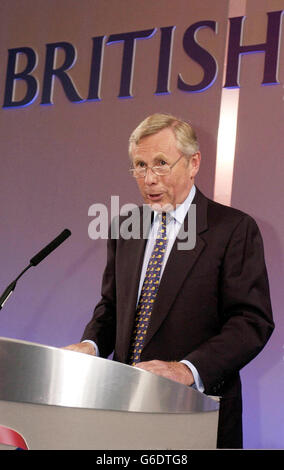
(196, 316)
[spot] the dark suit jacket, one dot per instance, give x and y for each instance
(212, 308)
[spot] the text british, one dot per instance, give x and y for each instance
(60, 74)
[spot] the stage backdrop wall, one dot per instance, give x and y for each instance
(73, 86)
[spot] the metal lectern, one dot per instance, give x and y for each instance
(61, 399)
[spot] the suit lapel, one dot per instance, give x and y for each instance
(178, 267)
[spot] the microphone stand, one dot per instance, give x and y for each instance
(9, 290)
(34, 262)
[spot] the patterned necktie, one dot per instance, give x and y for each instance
(148, 293)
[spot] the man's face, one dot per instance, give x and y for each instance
(164, 192)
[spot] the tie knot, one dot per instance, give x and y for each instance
(163, 218)
(162, 230)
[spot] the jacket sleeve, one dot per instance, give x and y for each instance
(244, 306)
(102, 327)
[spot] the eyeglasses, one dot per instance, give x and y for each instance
(157, 170)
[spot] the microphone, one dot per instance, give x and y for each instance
(50, 247)
(34, 262)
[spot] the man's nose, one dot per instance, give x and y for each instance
(150, 177)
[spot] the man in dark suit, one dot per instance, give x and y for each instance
(211, 312)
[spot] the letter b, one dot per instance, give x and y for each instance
(12, 76)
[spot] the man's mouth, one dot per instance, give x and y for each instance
(155, 196)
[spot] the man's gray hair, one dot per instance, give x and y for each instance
(184, 133)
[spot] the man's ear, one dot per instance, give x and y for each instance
(194, 163)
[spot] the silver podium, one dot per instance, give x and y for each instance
(61, 399)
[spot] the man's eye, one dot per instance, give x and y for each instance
(162, 163)
(140, 165)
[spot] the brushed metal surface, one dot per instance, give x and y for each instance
(35, 373)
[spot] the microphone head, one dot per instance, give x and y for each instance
(50, 247)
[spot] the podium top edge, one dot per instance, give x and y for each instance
(38, 373)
